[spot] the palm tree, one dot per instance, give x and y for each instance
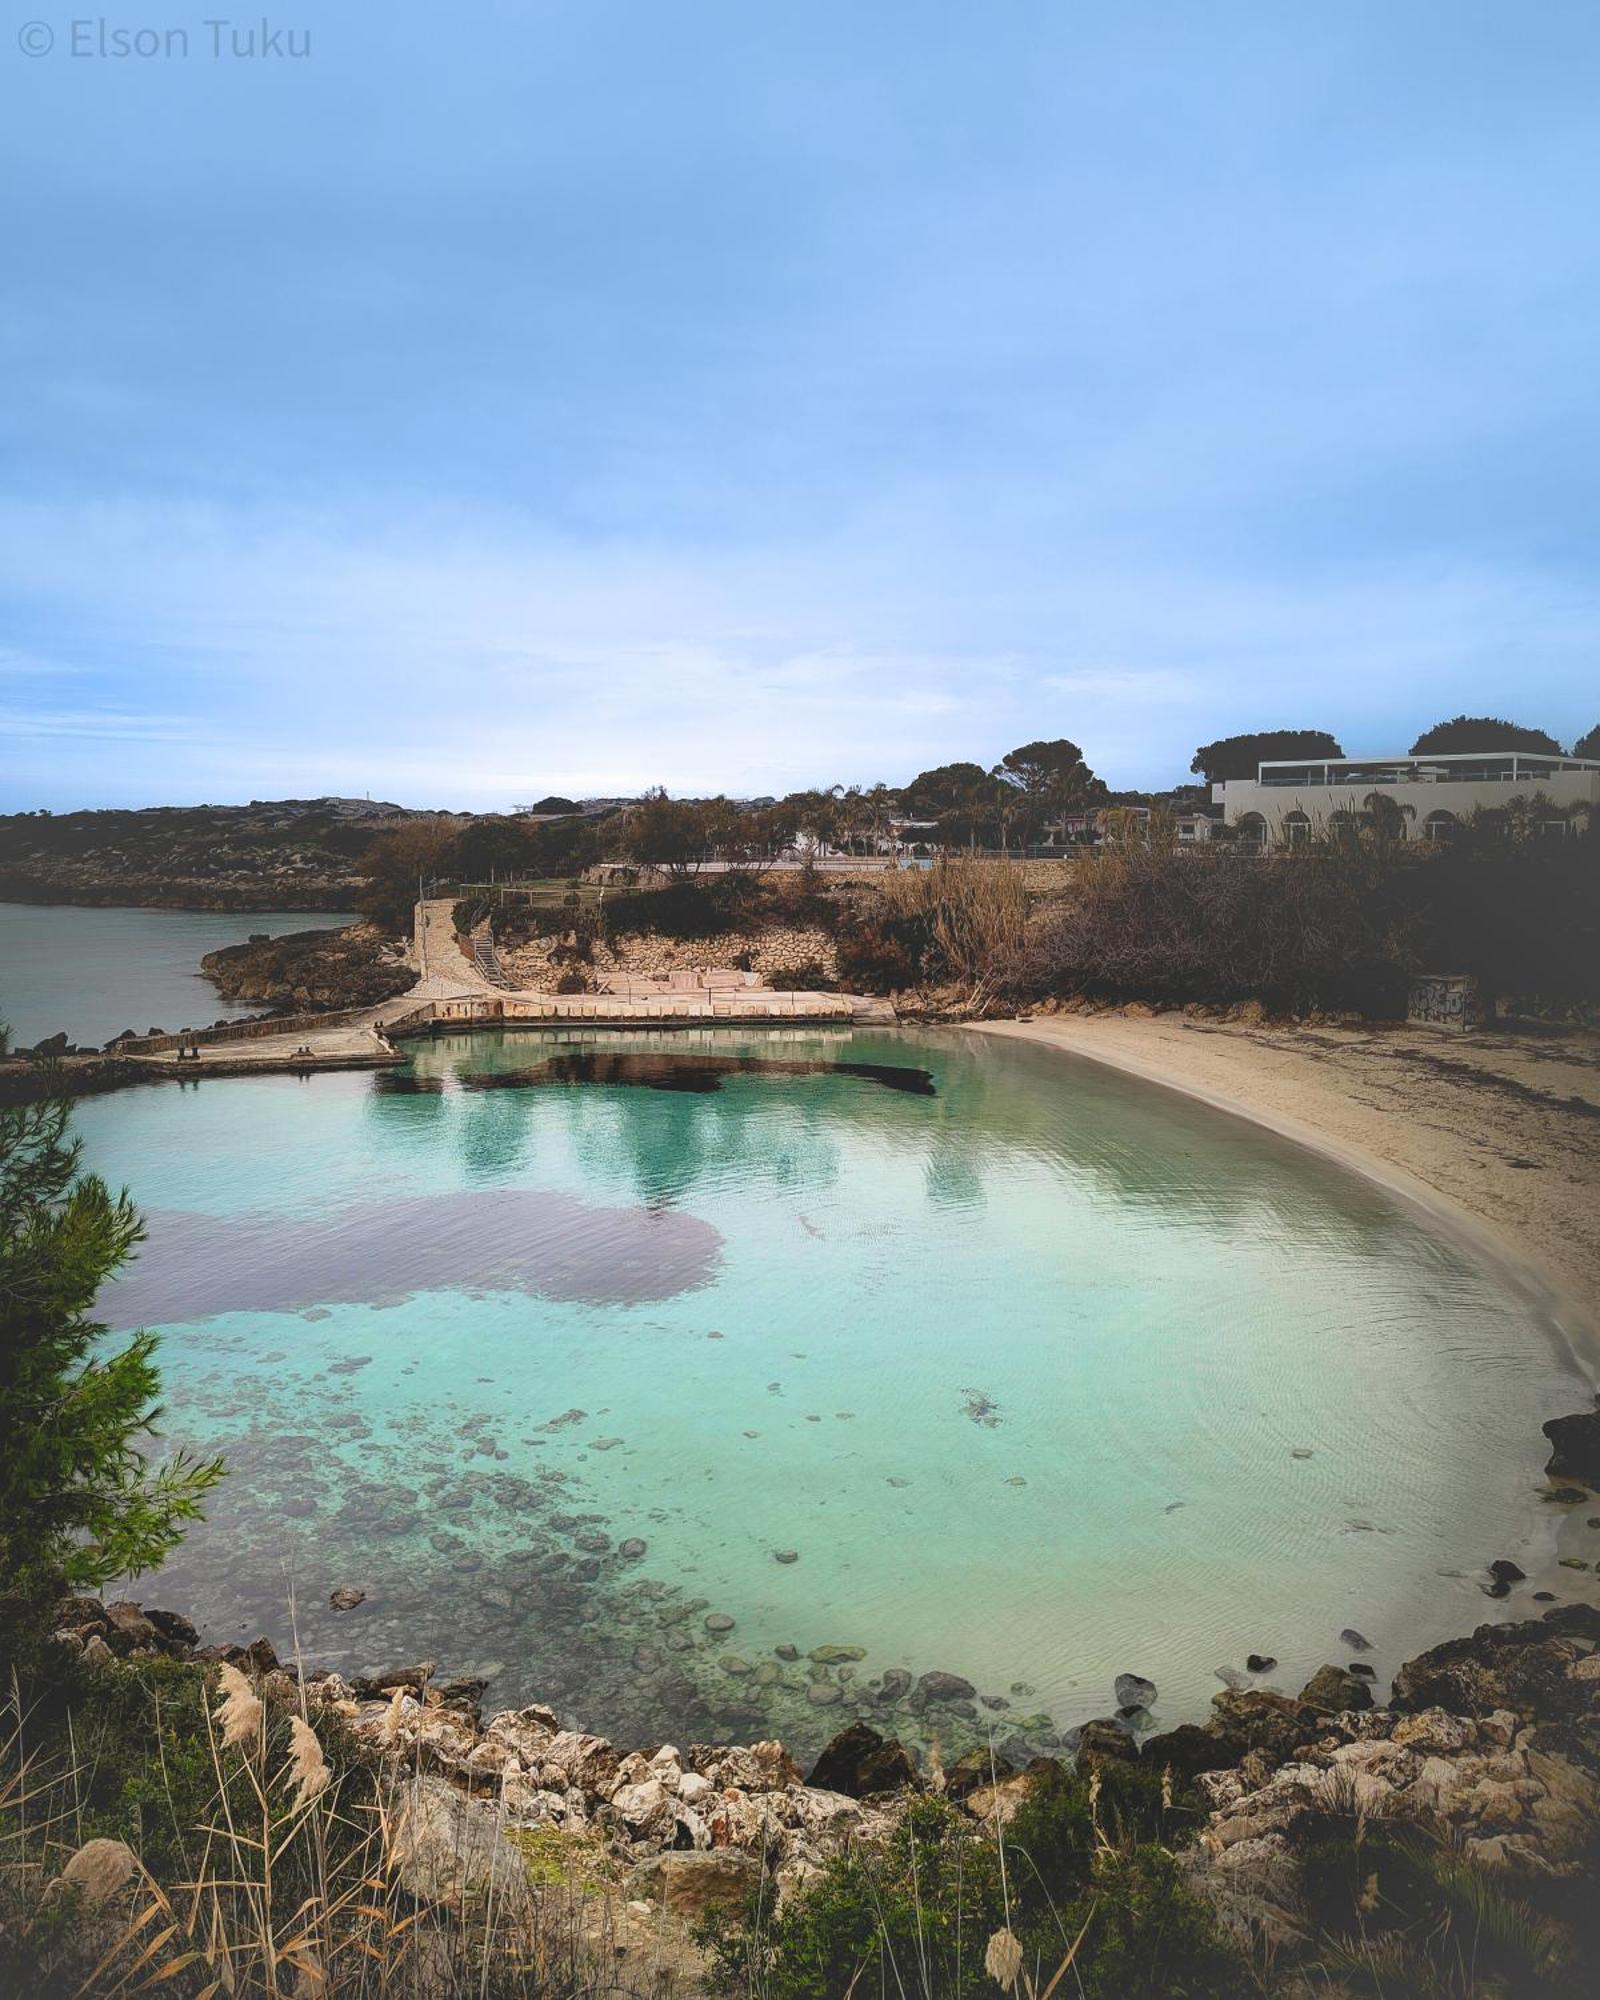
(1387, 818)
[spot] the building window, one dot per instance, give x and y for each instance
(1440, 826)
(1252, 830)
(1296, 828)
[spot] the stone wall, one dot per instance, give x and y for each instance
(775, 949)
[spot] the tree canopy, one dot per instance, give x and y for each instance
(1053, 772)
(1463, 734)
(1589, 745)
(79, 1500)
(1237, 756)
(948, 788)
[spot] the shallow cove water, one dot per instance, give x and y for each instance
(1041, 1374)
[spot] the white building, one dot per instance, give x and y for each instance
(1285, 801)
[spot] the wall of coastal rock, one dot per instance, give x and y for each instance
(776, 949)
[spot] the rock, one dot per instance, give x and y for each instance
(172, 1629)
(787, 1652)
(1521, 1668)
(824, 1694)
(689, 1885)
(1505, 1571)
(833, 1656)
(1432, 1733)
(1332, 1691)
(895, 1683)
(786, 1555)
(346, 1597)
(973, 1768)
(645, 1809)
(374, 1686)
(1260, 1663)
(1188, 1750)
(859, 1761)
(938, 1686)
(1575, 1443)
(1105, 1741)
(633, 1548)
(718, 1621)
(444, 1846)
(131, 1624)
(1355, 1640)
(1134, 1691)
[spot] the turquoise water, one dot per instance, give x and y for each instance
(1043, 1374)
(92, 973)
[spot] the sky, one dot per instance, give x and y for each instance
(512, 398)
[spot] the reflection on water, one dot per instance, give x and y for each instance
(672, 1069)
(1042, 1374)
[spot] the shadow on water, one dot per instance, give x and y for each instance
(546, 1244)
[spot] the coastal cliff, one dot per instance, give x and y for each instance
(310, 972)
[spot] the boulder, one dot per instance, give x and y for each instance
(938, 1686)
(1334, 1690)
(973, 1768)
(445, 1847)
(173, 1631)
(1105, 1741)
(1188, 1750)
(859, 1762)
(690, 1885)
(132, 1625)
(1575, 1447)
(1522, 1667)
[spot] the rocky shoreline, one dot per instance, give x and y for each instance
(1491, 1741)
(311, 972)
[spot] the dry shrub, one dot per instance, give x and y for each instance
(289, 1886)
(960, 921)
(1297, 931)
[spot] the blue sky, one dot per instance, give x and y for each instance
(523, 397)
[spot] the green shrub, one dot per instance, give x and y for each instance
(1083, 1865)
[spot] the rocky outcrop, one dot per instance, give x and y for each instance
(1575, 1447)
(859, 1762)
(1523, 1668)
(310, 972)
(1490, 1745)
(775, 951)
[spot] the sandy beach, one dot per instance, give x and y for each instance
(1496, 1134)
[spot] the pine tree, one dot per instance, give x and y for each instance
(80, 1501)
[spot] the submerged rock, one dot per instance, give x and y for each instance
(937, 1686)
